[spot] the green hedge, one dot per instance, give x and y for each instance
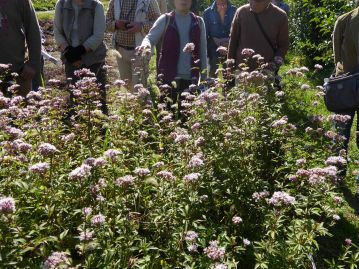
(41, 5)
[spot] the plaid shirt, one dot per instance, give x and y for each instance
(128, 10)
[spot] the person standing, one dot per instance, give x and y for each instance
(19, 28)
(183, 54)
(218, 20)
(130, 21)
(262, 27)
(79, 28)
(346, 55)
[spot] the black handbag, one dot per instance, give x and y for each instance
(342, 92)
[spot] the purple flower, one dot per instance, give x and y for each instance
(246, 242)
(68, 138)
(125, 181)
(158, 164)
(195, 162)
(7, 205)
(193, 248)
(81, 172)
(86, 236)
(247, 52)
(14, 132)
(214, 252)
(98, 220)
(87, 211)
(39, 168)
(191, 236)
(237, 220)
(100, 162)
(57, 260)
(281, 198)
(348, 242)
(257, 196)
(142, 172)
(112, 154)
(199, 142)
(182, 138)
(166, 175)
(143, 135)
(220, 266)
(301, 162)
(191, 177)
(46, 149)
(336, 160)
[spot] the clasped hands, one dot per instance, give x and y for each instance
(130, 27)
(74, 54)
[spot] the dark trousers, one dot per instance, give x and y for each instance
(101, 77)
(345, 128)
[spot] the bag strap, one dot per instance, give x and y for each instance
(274, 48)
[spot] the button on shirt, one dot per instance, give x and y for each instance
(215, 28)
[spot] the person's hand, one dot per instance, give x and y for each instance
(141, 50)
(28, 72)
(134, 27)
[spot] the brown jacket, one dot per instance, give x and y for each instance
(245, 33)
(346, 42)
(19, 27)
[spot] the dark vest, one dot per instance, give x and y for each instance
(86, 27)
(170, 51)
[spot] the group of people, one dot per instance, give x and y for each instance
(137, 26)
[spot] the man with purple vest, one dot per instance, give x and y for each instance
(183, 53)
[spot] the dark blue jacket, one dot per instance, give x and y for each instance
(215, 28)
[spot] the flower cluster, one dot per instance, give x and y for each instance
(281, 198)
(7, 205)
(214, 252)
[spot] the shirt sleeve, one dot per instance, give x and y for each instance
(98, 29)
(234, 36)
(110, 17)
(283, 38)
(155, 34)
(33, 36)
(203, 56)
(153, 14)
(58, 30)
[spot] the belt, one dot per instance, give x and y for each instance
(126, 47)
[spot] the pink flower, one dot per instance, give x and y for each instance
(57, 260)
(142, 172)
(39, 168)
(81, 172)
(166, 175)
(336, 160)
(191, 177)
(281, 198)
(189, 48)
(87, 211)
(214, 252)
(125, 181)
(195, 162)
(86, 236)
(47, 149)
(237, 220)
(98, 220)
(191, 236)
(248, 52)
(348, 242)
(246, 242)
(7, 205)
(112, 154)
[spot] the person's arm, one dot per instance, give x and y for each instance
(234, 36)
(99, 28)
(203, 56)
(338, 40)
(153, 14)
(155, 34)
(60, 38)
(110, 18)
(33, 36)
(283, 39)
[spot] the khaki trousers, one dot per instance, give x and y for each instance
(133, 69)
